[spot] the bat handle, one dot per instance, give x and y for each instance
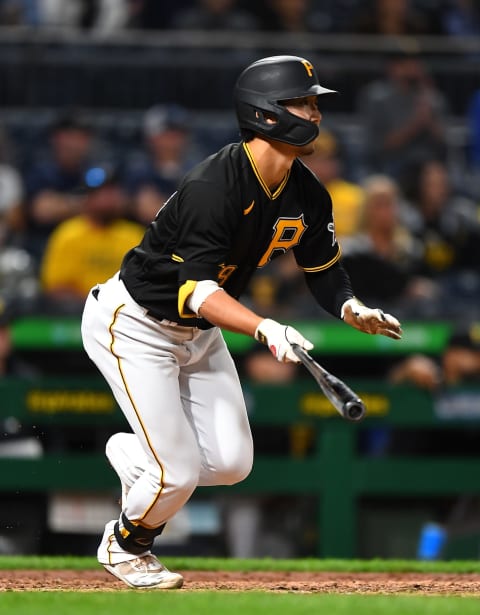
(354, 410)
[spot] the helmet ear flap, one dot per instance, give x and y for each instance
(286, 127)
(266, 117)
(257, 119)
(251, 111)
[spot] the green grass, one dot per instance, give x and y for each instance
(236, 603)
(302, 565)
(219, 603)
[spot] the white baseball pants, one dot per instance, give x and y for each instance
(179, 390)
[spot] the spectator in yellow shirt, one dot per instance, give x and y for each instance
(89, 248)
(347, 197)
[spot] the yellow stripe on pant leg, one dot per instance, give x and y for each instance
(145, 433)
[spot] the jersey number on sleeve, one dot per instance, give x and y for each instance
(225, 272)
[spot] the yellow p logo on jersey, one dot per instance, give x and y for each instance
(308, 67)
(287, 234)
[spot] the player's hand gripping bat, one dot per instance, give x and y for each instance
(344, 400)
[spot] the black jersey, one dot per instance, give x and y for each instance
(222, 224)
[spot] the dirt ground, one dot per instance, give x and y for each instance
(324, 582)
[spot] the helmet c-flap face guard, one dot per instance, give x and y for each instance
(261, 89)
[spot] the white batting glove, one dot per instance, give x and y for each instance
(278, 338)
(370, 320)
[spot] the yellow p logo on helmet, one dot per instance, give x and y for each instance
(308, 67)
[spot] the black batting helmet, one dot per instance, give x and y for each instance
(263, 86)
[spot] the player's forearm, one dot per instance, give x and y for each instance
(331, 288)
(222, 310)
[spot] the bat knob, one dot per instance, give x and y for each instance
(354, 410)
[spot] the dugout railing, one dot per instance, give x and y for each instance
(335, 469)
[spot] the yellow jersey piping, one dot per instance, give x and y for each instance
(266, 189)
(326, 265)
(130, 397)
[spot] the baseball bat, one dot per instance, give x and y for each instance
(344, 400)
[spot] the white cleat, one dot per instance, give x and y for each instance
(145, 572)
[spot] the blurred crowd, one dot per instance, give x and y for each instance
(389, 17)
(71, 204)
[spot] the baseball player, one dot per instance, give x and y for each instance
(154, 329)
